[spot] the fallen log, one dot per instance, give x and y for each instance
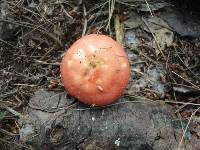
(54, 121)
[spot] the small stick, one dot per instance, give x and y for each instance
(1, 40)
(159, 48)
(51, 49)
(119, 30)
(184, 105)
(111, 10)
(14, 144)
(31, 26)
(185, 80)
(67, 14)
(85, 21)
(149, 8)
(184, 132)
(46, 63)
(30, 85)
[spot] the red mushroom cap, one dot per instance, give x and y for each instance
(95, 70)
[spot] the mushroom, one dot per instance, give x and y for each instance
(95, 70)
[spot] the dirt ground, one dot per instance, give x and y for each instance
(161, 39)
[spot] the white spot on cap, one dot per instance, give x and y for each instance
(77, 78)
(92, 48)
(104, 66)
(99, 81)
(124, 65)
(84, 63)
(69, 63)
(80, 54)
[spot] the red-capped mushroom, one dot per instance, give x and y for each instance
(95, 70)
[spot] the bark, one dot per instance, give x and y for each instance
(132, 125)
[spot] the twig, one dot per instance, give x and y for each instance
(28, 85)
(119, 30)
(186, 86)
(124, 3)
(1, 40)
(85, 20)
(102, 25)
(14, 112)
(42, 30)
(49, 51)
(20, 102)
(158, 46)
(187, 68)
(151, 60)
(3, 103)
(46, 63)
(26, 9)
(124, 102)
(149, 7)
(178, 114)
(14, 144)
(184, 132)
(166, 101)
(184, 105)
(111, 6)
(8, 94)
(186, 80)
(67, 14)
(100, 5)
(138, 100)
(92, 18)
(6, 132)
